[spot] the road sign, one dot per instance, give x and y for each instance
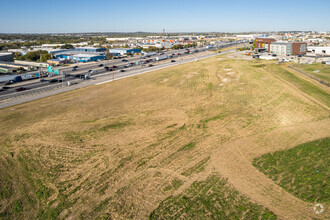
(50, 69)
(56, 72)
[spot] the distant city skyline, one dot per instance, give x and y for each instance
(80, 16)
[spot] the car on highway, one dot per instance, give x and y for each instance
(9, 82)
(101, 65)
(150, 65)
(53, 81)
(127, 65)
(173, 61)
(113, 67)
(179, 54)
(6, 87)
(79, 75)
(20, 89)
(43, 80)
(1, 90)
(122, 70)
(74, 69)
(124, 60)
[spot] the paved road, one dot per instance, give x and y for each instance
(43, 89)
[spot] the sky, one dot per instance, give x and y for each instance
(72, 16)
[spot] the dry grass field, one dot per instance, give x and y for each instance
(151, 145)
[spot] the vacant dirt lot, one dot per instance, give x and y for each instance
(119, 149)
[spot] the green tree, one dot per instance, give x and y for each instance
(108, 55)
(39, 55)
(67, 46)
(17, 55)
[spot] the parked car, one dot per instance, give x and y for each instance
(20, 89)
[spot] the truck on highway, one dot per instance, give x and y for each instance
(148, 54)
(162, 57)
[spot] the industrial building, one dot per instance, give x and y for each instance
(9, 57)
(81, 57)
(263, 44)
(124, 51)
(319, 50)
(9, 67)
(32, 63)
(90, 49)
(82, 54)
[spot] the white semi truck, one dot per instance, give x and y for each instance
(162, 57)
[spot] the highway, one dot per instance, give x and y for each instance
(99, 76)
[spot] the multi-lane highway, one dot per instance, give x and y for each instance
(99, 74)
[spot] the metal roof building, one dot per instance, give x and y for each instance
(124, 51)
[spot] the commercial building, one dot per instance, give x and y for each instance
(284, 48)
(55, 62)
(6, 57)
(319, 50)
(263, 44)
(281, 48)
(299, 48)
(124, 51)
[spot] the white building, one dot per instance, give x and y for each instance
(319, 50)
(117, 38)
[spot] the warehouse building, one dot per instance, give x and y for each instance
(263, 44)
(9, 57)
(319, 50)
(90, 49)
(9, 67)
(32, 63)
(82, 57)
(124, 51)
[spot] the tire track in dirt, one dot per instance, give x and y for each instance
(234, 162)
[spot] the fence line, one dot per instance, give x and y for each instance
(313, 77)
